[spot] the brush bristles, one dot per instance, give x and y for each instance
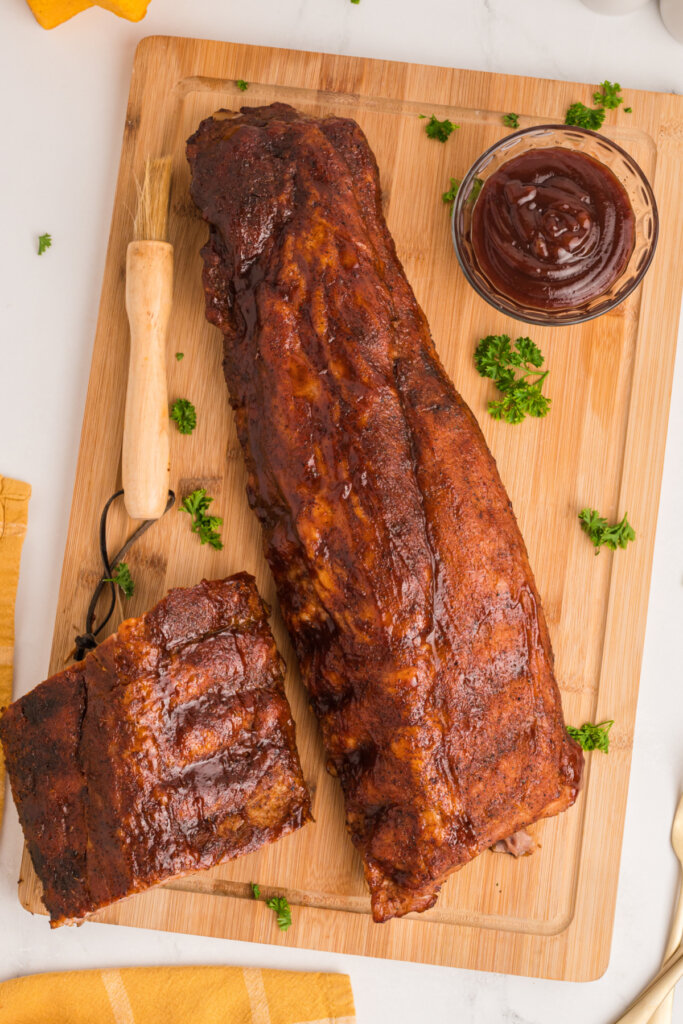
(151, 219)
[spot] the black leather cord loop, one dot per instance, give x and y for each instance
(88, 640)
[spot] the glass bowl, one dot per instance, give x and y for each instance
(600, 148)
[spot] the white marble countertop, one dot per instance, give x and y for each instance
(64, 95)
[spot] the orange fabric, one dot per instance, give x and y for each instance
(178, 995)
(50, 13)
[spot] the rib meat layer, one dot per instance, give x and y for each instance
(401, 572)
(170, 748)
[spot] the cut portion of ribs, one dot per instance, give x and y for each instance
(170, 748)
(401, 572)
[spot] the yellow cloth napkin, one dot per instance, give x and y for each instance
(178, 995)
(13, 519)
(50, 13)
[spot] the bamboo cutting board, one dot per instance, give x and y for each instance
(548, 915)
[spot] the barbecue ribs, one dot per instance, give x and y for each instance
(401, 572)
(168, 749)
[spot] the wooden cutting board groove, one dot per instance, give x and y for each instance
(549, 915)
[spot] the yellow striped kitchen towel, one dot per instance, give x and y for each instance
(13, 519)
(178, 995)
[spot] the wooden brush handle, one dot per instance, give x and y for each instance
(145, 460)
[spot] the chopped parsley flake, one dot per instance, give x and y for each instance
(440, 130)
(592, 737)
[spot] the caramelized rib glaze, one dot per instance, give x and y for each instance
(401, 572)
(170, 748)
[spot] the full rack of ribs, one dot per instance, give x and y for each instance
(168, 749)
(400, 569)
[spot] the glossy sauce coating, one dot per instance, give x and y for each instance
(170, 748)
(401, 572)
(553, 228)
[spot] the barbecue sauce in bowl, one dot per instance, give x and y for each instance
(553, 228)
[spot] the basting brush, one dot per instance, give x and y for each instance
(149, 289)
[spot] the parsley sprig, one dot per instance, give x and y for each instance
(498, 359)
(440, 130)
(44, 242)
(592, 737)
(205, 526)
(282, 910)
(121, 576)
(242, 85)
(601, 533)
(279, 904)
(511, 120)
(585, 117)
(184, 415)
(608, 95)
(449, 195)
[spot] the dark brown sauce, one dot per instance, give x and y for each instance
(553, 228)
